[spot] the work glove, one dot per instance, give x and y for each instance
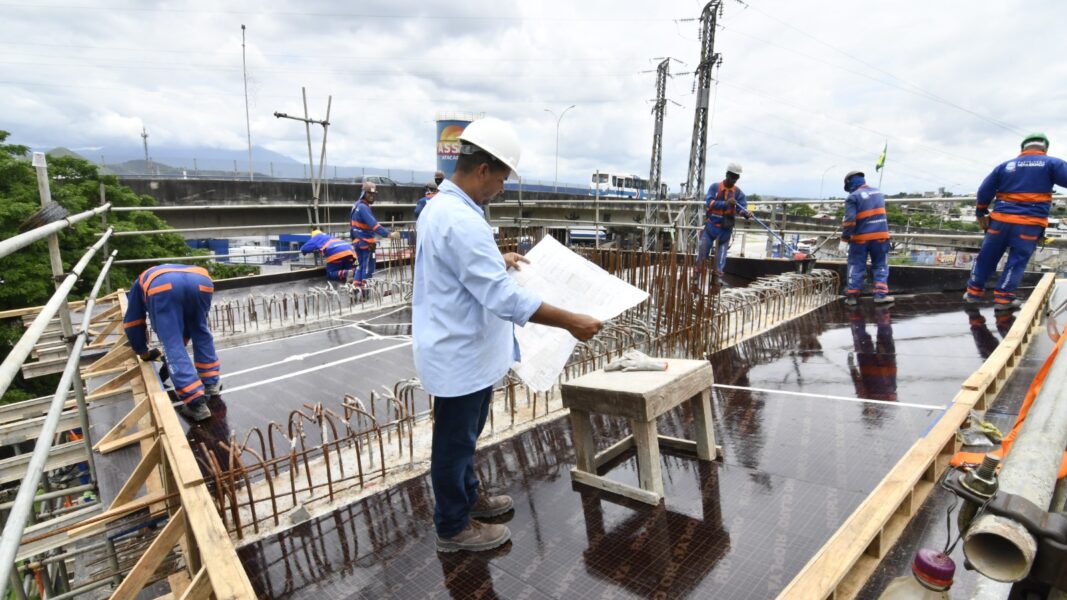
(395, 235)
(983, 222)
(633, 360)
(152, 355)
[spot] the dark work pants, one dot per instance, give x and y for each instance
(457, 423)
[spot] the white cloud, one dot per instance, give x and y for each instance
(806, 87)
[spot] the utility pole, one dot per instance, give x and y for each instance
(147, 161)
(248, 120)
(655, 169)
(699, 146)
(315, 182)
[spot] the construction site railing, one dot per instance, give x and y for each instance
(25, 239)
(26, 496)
(22, 349)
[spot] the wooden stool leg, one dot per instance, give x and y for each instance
(647, 443)
(584, 447)
(705, 429)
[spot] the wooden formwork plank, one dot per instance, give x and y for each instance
(217, 553)
(98, 523)
(116, 383)
(146, 566)
(148, 463)
(200, 588)
(842, 566)
(117, 356)
(119, 436)
(187, 472)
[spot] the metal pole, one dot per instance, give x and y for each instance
(596, 216)
(25, 239)
(16, 521)
(311, 163)
(13, 362)
(322, 155)
(248, 121)
(1000, 548)
(103, 225)
(41, 164)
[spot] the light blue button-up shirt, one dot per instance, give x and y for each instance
(465, 304)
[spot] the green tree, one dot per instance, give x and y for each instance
(75, 184)
(802, 210)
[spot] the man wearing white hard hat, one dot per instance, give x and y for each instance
(464, 311)
(722, 203)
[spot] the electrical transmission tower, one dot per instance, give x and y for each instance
(659, 109)
(694, 183)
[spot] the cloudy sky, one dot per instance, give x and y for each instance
(804, 89)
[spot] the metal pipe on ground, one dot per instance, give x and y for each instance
(24, 499)
(1002, 549)
(11, 365)
(25, 239)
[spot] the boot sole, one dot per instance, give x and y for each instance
(449, 547)
(485, 514)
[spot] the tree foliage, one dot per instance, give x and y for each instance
(25, 279)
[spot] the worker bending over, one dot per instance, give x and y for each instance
(365, 228)
(866, 230)
(1022, 188)
(722, 203)
(338, 255)
(177, 299)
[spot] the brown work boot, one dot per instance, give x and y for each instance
(490, 506)
(476, 537)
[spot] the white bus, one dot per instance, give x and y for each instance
(614, 185)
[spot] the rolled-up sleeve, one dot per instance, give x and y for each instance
(480, 268)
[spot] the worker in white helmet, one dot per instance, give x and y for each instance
(722, 203)
(464, 311)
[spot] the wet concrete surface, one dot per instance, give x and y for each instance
(794, 468)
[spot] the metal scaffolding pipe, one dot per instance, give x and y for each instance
(137, 261)
(301, 226)
(25, 239)
(22, 349)
(1000, 548)
(24, 499)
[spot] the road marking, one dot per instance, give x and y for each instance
(844, 398)
(316, 368)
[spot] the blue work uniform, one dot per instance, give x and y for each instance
(338, 255)
(1022, 188)
(177, 300)
(364, 229)
(866, 230)
(719, 217)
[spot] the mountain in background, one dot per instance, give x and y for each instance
(122, 153)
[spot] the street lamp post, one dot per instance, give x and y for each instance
(823, 178)
(555, 181)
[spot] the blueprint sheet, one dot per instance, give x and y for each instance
(565, 280)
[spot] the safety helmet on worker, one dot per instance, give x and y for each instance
(849, 176)
(1033, 139)
(496, 138)
(734, 168)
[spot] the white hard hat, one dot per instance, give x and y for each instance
(368, 186)
(497, 138)
(733, 168)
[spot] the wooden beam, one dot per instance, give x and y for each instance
(122, 429)
(114, 357)
(115, 383)
(218, 555)
(98, 523)
(148, 463)
(29, 409)
(63, 455)
(146, 566)
(200, 588)
(28, 429)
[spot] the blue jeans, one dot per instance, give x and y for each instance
(858, 252)
(457, 423)
(1020, 241)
